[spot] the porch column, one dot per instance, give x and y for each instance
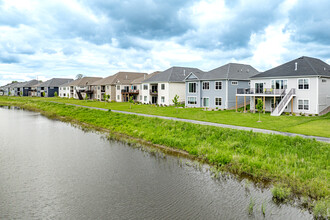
(274, 101)
(244, 104)
(236, 103)
(292, 106)
(254, 104)
(264, 104)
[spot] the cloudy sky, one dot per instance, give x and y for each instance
(62, 38)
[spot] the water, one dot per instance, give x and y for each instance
(51, 170)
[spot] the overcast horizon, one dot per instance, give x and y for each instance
(47, 39)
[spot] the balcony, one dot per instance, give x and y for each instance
(260, 92)
(129, 91)
(153, 92)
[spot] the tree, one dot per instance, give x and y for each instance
(14, 81)
(86, 96)
(79, 76)
(108, 97)
(260, 106)
(43, 94)
(175, 100)
(131, 101)
(21, 93)
(55, 94)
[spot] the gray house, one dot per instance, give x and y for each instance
(51, 86)
(26, 88)
(217, 88)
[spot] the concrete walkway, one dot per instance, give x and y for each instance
(323, 139)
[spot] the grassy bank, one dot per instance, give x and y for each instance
(316, 126)
(297, 163)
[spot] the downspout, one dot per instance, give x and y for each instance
(226, 104)
(317, 94)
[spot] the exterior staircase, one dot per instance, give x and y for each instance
(325, 111)
(283, 103)
(79, 95)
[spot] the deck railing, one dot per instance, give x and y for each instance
(267, 91)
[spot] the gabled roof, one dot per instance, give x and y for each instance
(231, 71)
(30, 83)
(84, 81)
(306, 66)
(120, 78)
(55, 82)
(173, 74)
(141, 79)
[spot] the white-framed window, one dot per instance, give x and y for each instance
(218, 85)
(107, 87)
(118, 97)
(145, 98)
(303, 104)
(98, 96)
(162, 86)
(303, 84)
(98, 88)
(192, 100)
(162, 99)
(206, 101)
(206, 85)
(118, 87)
(217, 101)
(192, 86)
(234, 83)
(140, 97)
(279, 84)
(145, 87)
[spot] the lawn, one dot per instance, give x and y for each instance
(316, 125)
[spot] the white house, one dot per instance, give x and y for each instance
(163, 87)
(299, 86)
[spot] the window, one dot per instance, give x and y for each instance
(192, 100)
(218, 85)
(98, 88)
(145, 98)
(192, 87)
(162, 86)
(206, 85)
(107, 87)
(118, 97)
(324, 80)
(118, 87)
(303, 83)
(234, 83)
(98, 96)
(162, 99)
(140, 97)
(145, 87)
(303, 104)
(206, 102)
(217, 101)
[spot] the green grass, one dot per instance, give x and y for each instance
(316, 126)
(301, 164)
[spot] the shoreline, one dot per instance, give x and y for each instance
(230, 167)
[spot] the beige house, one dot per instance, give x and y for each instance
(118, 86)
(81, 88)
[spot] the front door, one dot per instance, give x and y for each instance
(259, 87)
(154, 100)
(206, 102)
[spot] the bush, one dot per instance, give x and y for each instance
(281, 193)
(310, 115)
(316, 114)
(321, 208)
(294, 114)
(287, 113)
(109, 110)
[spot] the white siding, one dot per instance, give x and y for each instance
(177, 89)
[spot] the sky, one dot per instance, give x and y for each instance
(62, 38)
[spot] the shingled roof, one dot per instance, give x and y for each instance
(173, 74)
(120, 78)
(55, 82)
(85, 81)
(141, 79)
(231, 71)
(30, 83)
(303, 66)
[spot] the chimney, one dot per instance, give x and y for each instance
(184, 72)
(296, 66)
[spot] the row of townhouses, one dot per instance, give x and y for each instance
(299, 86)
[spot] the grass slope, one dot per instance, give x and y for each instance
(301, 164)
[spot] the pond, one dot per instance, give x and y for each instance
(50, 169)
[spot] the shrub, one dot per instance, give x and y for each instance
(294, 114)
(109, 110)
(310, 115)
(316, 114)
(217, 108)
(55, 94)
(287, 113)
(321, 208)
(281, 193)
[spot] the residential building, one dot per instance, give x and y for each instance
(137, 83)
(82, 88)
(64, 90)
(217, 88)
(27, 88)
(51, 87)
(119, 86)
(164, 86)
(298, 86)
